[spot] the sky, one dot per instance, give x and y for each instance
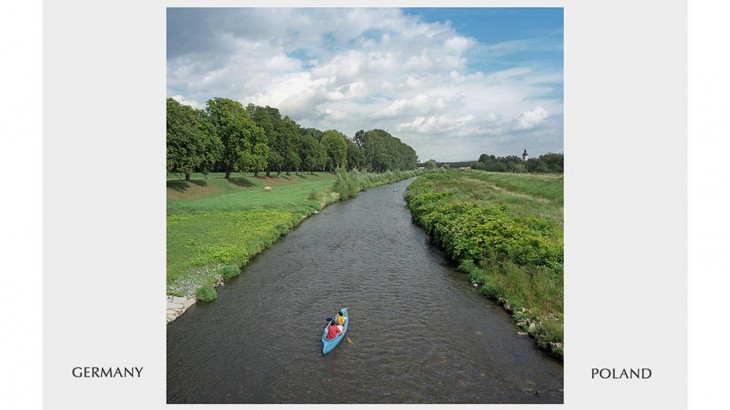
(453, 83)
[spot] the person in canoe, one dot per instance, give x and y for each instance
(340, 320)
(334, 330)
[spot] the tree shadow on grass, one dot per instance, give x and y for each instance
(240, 182)
(182, 186)
(275, 178)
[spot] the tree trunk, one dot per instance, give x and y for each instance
(229, 169)
(268, 172)
(187, 177)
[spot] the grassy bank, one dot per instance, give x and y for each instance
(506, 232)
(214, 225)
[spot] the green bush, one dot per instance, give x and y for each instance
(506, 233)
(206, 294)
(230, 271)
(347, 184)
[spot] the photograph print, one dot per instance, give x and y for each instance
(364, 205)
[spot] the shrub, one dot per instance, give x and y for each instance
(206, 294)
(490, 291)
(506, 235)
(230, 271)
(347, 184)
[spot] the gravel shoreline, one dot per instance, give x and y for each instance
(176, 306)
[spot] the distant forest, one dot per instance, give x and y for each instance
(547, 163)
(228, 137)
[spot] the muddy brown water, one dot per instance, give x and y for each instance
(420, 333)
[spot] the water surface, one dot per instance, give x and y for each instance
(419, 332)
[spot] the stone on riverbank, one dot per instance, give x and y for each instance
(176, 306)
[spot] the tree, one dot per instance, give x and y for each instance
(552, 162)
(242, 139)
(520, 168)
(312, 132)
(336, 148)
(275, 162)
(533, 165)
(483, 158)
(384, 152)
(292, 159)
(282, 134)
(255, 160)
(355, 157)
(313, 154)
(320, 156)
(191, 141)
(431, 165)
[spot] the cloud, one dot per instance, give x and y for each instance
(505, 48)
(352, 69)
(182, 100)
(530, 119)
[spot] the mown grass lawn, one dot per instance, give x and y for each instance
(213, 222)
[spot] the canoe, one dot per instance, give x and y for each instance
(328, 345)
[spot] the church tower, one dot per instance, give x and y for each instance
(525, 156)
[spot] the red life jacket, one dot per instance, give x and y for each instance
(333, 332)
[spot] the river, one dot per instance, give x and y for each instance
(419, 332)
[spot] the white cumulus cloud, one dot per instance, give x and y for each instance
(352, 69)
(529, 119)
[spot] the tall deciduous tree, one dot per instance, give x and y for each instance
(312, 132)
(313, 154)
(292, 154)
(243, 141)
(336, 146)
(282, 135)
(191, 141)
(384, 152)
(355, 157)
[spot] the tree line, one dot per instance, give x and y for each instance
(547, 163)
(228, 137)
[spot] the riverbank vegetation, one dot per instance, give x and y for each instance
(506, 232)
(222, 209)
(215, 225)
(348, 184)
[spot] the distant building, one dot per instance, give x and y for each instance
(525, 156)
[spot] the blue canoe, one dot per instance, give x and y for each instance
(328, 345)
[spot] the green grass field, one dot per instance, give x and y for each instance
(213, 223)
(506, 232)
